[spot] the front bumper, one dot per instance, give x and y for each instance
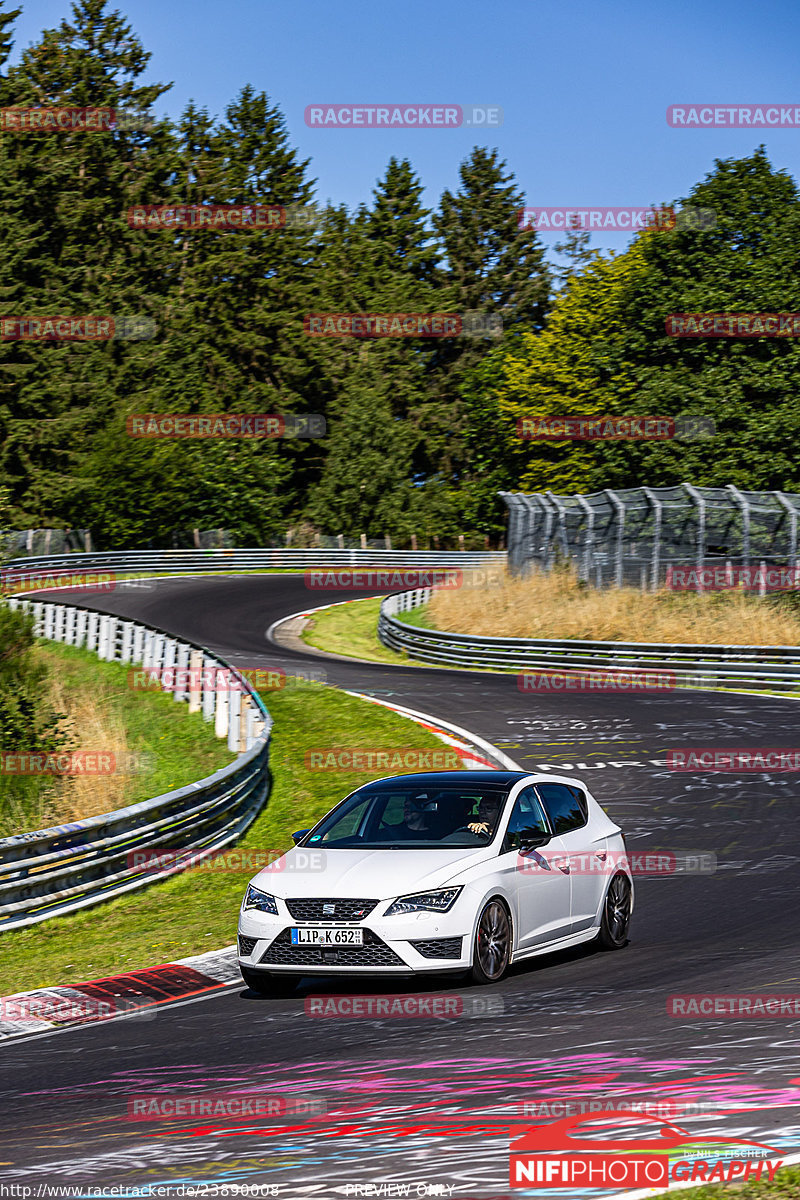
(443, 944)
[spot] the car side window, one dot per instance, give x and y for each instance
(564, 807)
(527, 820)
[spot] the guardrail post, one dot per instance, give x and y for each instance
(209, 688)
(81, 622)
(222, 699)
(195, 680)
(102, 637)
(92, 629)
(137, 654)
(58, 624)
(127, 642)
(49, 620)
(69, 625)
(234, 708)
(182, 682)
(168, 673)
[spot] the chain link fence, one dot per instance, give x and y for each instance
(633, 536)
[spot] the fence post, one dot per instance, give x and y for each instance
(744, 506)
(619, 509)
(655, 558)
(792, 511)
(700, 557)
(588, 543)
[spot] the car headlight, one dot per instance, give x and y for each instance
(439, 901)
(260, 900)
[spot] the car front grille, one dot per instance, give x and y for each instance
(439, 947)
(374, 953)
(343, 910)
(246, 945)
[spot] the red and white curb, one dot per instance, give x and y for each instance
(136, 994)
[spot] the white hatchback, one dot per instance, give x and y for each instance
(450, 871)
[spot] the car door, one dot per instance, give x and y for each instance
(540, 877)
(586, 850)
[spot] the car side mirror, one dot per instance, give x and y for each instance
(535, 841)
(299, 834)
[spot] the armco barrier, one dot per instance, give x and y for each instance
(752, 668)
(55, 871)
(280, 559)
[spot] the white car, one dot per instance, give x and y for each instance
(458, 871)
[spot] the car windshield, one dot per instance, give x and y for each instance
(413, 818)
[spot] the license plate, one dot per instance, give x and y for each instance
(327, 937)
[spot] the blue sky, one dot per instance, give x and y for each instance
(584, 84)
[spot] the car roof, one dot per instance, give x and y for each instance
(502, 779)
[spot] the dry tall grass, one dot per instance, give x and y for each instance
(91, 725)
(556, 605)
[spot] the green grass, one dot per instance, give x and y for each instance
(351, 629)
(176, 746)
(418, 616)
(198, 909)
(785, 1186)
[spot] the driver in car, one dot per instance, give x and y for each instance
(486, 818)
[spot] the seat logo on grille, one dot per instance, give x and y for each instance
(328, 910)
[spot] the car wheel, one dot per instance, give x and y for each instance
(266, 984)
(492, 948)
(616, 914)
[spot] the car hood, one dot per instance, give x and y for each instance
(367, 874)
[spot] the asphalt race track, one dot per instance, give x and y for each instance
(430, 1102)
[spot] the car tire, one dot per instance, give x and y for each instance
(616, 920)
(491, 949)
(268, 985)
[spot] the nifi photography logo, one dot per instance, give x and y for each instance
(552, 1156)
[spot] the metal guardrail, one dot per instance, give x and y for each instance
(281, 558)
(55, 871)
(756, 668)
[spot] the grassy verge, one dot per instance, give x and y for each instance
(153, 743)
(785, 1186)
(198, 909)
(350, 629)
